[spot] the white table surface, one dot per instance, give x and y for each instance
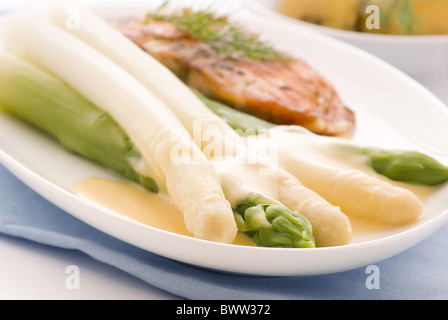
(32, 271)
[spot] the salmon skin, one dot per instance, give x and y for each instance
(283, 92)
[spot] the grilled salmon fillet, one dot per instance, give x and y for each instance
(284, 92)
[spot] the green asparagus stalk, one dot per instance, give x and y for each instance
(271, 224)
(55, 108)
(399, 165)
(407, 166)
(242, 123)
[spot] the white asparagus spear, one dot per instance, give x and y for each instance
(325, 165)
(99, 34)
(193, 185)
(245, 163)
(332, 228)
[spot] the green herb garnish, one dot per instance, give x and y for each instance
(226, 38)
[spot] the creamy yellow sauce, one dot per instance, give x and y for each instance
(136, 203)
(158, 211)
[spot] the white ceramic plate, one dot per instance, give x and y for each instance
(392, 110)
(404, 52)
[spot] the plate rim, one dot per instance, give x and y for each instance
(52, 192)
(62, 199)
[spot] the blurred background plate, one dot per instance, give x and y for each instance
(423, 57)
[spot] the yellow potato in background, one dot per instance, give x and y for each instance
(417, 17)
(340, 14)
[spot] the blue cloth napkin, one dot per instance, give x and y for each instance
(419, 273)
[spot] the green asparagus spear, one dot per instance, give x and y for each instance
(241, 122)
(407, 166)
(55, 108)
(399, 165)
(271, 224)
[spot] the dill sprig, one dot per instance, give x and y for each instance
(402, 12)
(226, 38)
